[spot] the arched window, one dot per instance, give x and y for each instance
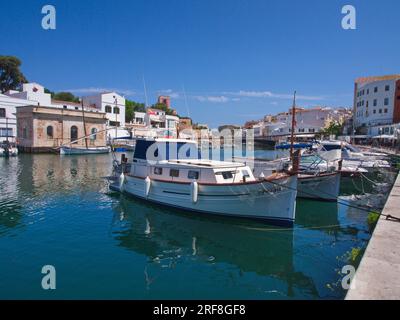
(93, 134)
(116, 110)
(74, 133)
(108, 109)
(49, 131)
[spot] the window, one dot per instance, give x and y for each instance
(193, 175)
(158, 171)
(380, 110)
(386, 103)
(6, 132)
(226, 174)
(374, 111)
(49, 132)
(311, 130)
(245, 174)
(93, 135)
(2, 113)
(367, 91)
(74, 133)
(375, 102)
(114, 124)
(385, 110)
(376, 89)
(387, 88)
(116, 110)
(174, 173)
(24, 133)
(301, 130)
(108, 109)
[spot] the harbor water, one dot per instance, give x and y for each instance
(58, 211)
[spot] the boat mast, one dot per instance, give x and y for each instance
(84, 124)
(293, 126)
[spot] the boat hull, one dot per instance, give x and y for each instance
(324, 187)
(273, 202)
(78, 151)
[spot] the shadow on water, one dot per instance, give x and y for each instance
(249, 246)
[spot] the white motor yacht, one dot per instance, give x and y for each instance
(169, 172)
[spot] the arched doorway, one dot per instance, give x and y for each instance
(74, 133)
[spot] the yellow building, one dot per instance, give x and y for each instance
(43, 129)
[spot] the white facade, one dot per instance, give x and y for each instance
(8, 122)
(111, 103)
(308, 121)
(33, 92)
(374, 101)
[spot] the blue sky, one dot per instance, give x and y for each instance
(237, 60)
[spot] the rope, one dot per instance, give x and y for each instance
(337, 199)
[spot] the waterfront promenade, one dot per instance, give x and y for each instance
(377, 277)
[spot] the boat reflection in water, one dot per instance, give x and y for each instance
(170, 238)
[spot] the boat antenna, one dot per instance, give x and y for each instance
(186, 102)
(293, 126)
(145, 92)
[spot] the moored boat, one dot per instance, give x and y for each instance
(179, 179)
(81, 151)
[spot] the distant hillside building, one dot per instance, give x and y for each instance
(165, 100)
(376, 101)
(309, 121)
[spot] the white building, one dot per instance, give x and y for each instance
(8, 123)
(33, 92)
(113, 105)
(309, 121)
(376, 101)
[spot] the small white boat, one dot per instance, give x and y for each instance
(318, 179)
(349, 152)
(79, 150)
(323, 186)
(177, 178)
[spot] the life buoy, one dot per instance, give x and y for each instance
(194, 191)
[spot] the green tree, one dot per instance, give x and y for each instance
(65, 96)
(334, 128)
(131, 107)
(11, 77)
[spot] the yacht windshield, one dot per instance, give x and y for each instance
(165, 150)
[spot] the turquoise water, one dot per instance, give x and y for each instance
(58, 211)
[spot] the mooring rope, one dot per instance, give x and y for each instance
(369, 210)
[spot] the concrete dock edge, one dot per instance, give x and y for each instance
(378, 275)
